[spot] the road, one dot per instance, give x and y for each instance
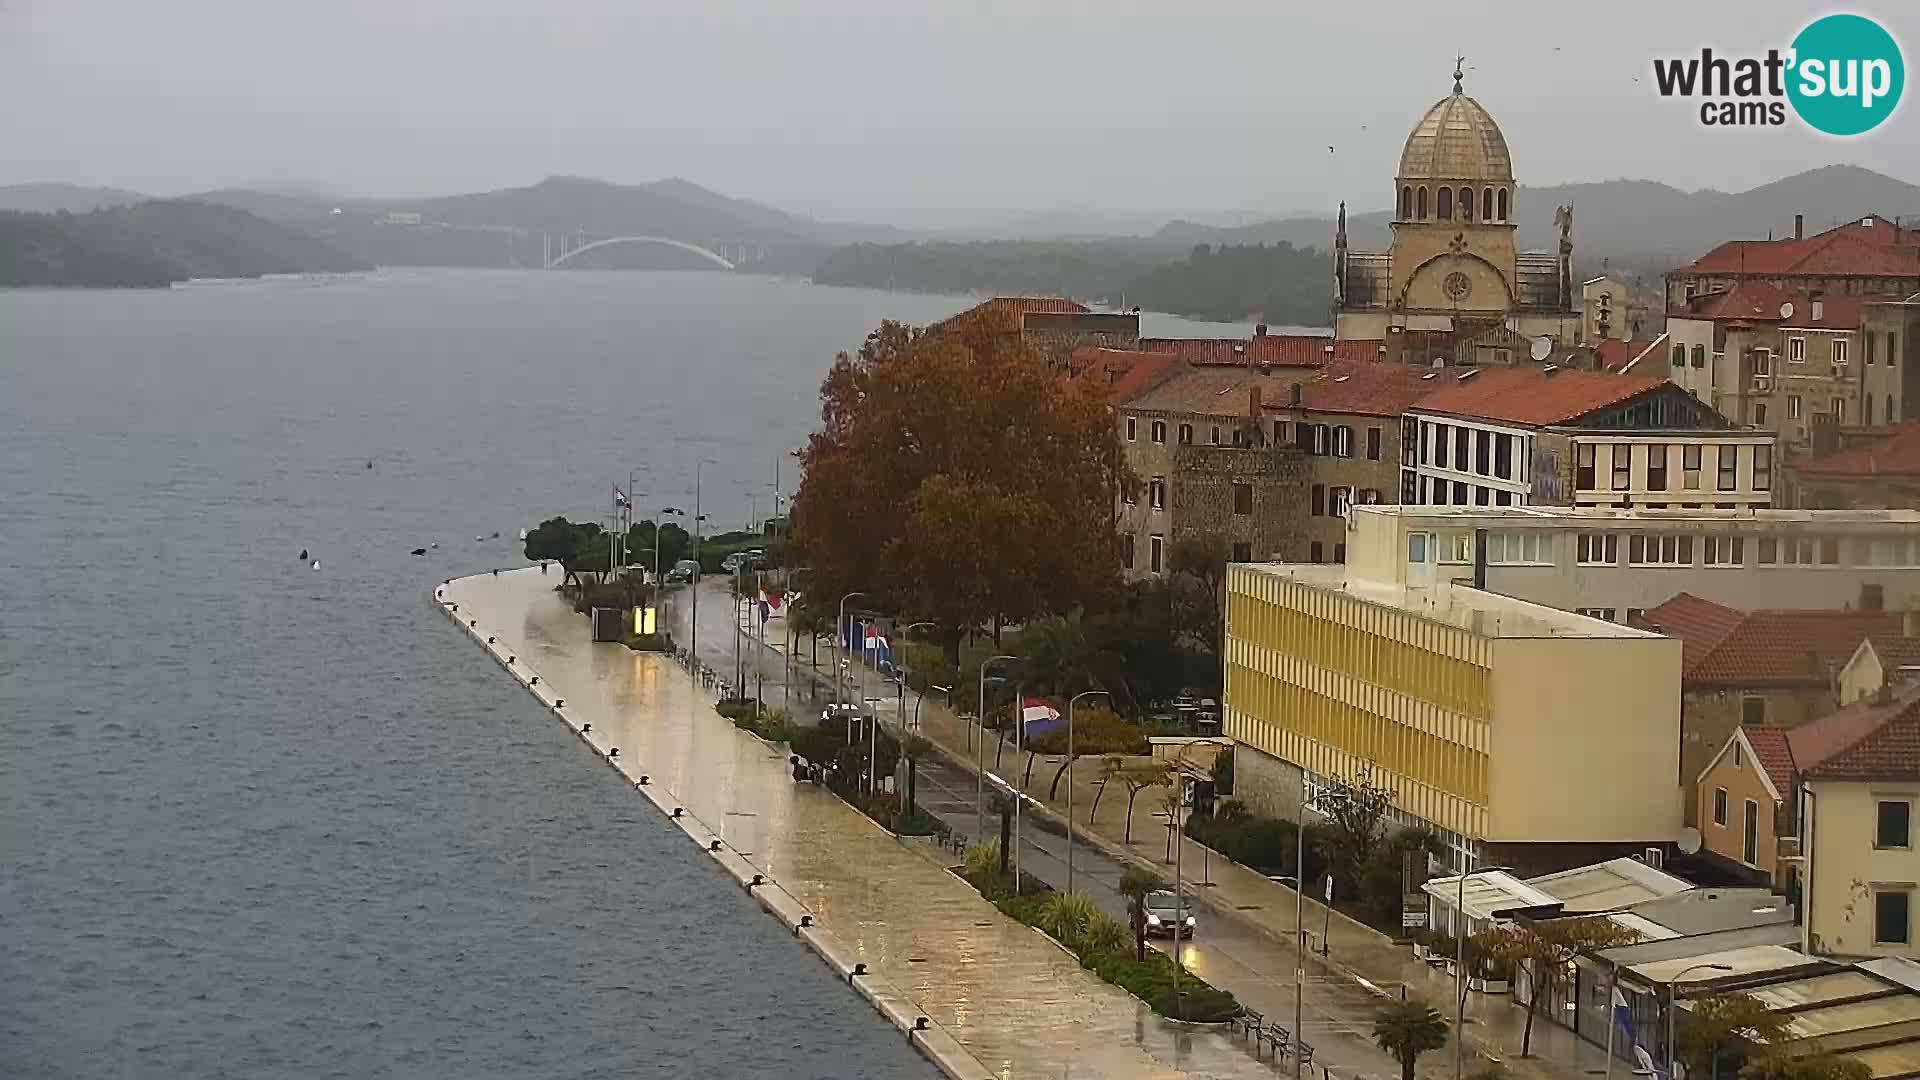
(1257, 968)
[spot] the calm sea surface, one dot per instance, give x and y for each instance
(258, 820)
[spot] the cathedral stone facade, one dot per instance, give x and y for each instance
(1454, 275)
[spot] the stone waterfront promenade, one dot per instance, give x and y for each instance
(1003, 1001)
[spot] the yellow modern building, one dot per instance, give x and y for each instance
(1520, 733)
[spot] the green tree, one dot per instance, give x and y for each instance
(1356, 810)
(1060, 656)
(1817, 1065)
(1199, 582)
(1406, 1030)
(1547, 949)
(1719, 1021)
(1097, 732)
(1135, 884)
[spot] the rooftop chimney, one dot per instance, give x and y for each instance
(1799, 226)
(1260, 329)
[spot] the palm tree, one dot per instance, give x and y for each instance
(1060, 657)
(1407, 1029)
(1135, 884)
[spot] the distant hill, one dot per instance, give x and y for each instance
(153, 244)
(1639, 221)
(53, 198)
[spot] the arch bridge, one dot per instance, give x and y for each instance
(571, 246)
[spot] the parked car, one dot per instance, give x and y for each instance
(686, 570)
(1166, 910)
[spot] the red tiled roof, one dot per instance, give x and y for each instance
(1889, 751)
(1118, 374)
(1213, 391)
(1280, 350)
(1014, 308)
(1895, 454)
(1364, 388)
(1534, 395)
(1789, 646)
(1878, 249)
(1773, 753)
(1701, 625)
(1613, 354)
(1759, 302)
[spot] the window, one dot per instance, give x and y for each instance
(1796, 350)
(1243, 552)
(1759, 413)
(1840, 350)
(1503, 204)
(1280, 433)
(1486, 205)
(1763, 361)
(1457, 548)
(1523, 548)
(1679, 356)
(1157, 493)
(1829, 551)
(1793, 406)
(1583, 467)
(1186, 435)
(1598, 549)
(1481, 496)
(1462, 439)
(1635, 616)
(1753, 710)
(1406, 203)
(1750, 833)
(1690, 467)
(1126, 550)
(1314, 551)
(1214, 437)
(1840, 410)
(1762, 468)
(1160, 431)
(1503, 456)
(1420, 204)
(1339, 500)
(1130, 428)
(1243, 500)
(1441, 441)
(1766, 551)
(1595, 612)
(1466, 214)
(1483, 453)
(1892, 916)
(1892, 355)
(1724, 550)
(1419, 547)
(1726, 457)
(1444, 203)
(1343, 441)
(1319, 502)
(1321, 440)
(1699, 356)
(1893, 824)
(1412, 485)
(1156, 545)
(1656, 466)
(1409, 441)
(1720, 806)
(1459, 493)
(1622, 456)
(1373, 444)
(1659, 549)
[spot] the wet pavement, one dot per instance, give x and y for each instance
(1013, 999)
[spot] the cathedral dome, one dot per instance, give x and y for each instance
(1456, 140)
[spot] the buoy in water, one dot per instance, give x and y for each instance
(316, 564)
(303, 555)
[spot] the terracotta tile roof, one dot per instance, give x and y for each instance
(1614, 354)
(1896, 651)
(1773, 753)
(1759, 302)
(1890, 751)
(1118, 375)
(1874, 249)
(1202, 391)
(1535, 395)
(1014, 308)
(1363, 388)
(1280, 350)
(1895, 454)
(1790, 647)
(1701, 625)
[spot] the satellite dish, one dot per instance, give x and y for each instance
(1689, 841)
(1786, 310)
(1542, 347)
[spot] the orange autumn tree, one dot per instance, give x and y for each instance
(955, 479)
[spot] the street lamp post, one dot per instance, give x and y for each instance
(1299, 914)
(840, 642)
(660, 522)
(980, 772)
(1673, 1002)
(1070, 704)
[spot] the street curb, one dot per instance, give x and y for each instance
(929, 1037)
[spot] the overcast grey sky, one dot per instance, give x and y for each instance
(893, 110)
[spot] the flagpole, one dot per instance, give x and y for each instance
(1613, 1016)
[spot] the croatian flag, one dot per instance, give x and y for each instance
(619, 497)
(770, 600)
(1038, 717)
(1623, 1020)
(877, 647)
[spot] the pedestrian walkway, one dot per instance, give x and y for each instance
(1354, 954)
(1011, 998)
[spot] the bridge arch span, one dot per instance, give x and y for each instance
(696, 249)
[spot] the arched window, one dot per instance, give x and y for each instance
(1406, 203)
(1445, 209)
(1420, 207)
(1466, 204)
(1503, 205)
(1486, 205)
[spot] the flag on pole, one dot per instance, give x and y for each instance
(877, 647)
(1038, 717)
(619, 497)
(770, 599)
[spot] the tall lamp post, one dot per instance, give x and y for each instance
(980, 744)
(840, 642)
(1300, 910)
(658, 525)
(900, 678)
(1673, 1002)
(1070, 703)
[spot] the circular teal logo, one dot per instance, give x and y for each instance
(1847, 74)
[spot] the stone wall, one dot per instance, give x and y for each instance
(1203, 494)
(1265, 784)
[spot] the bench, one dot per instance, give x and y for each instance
(1248, 1022)
(1304, 1050)
(1276, 1037)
